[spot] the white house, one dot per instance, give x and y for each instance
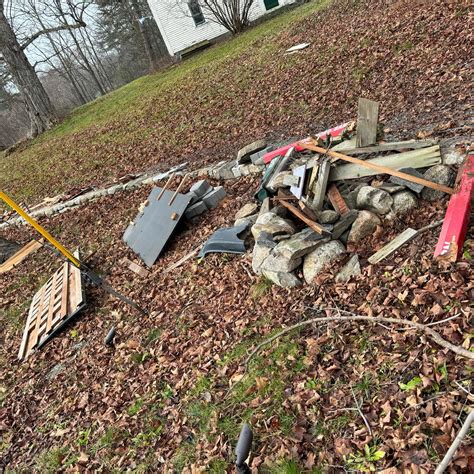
(184, 26)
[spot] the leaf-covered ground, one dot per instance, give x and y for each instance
(160, 400)
(414, 58)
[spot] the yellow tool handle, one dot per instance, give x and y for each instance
(40, 229)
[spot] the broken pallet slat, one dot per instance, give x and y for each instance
(313, 225)
(337, 200)
(389, 146)
(416, 159)
(19, 256)
(393, 245)
(367, 120)
(379, 169)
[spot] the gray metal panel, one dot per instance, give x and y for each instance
(150, 231)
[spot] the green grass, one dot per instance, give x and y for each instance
(89, 144)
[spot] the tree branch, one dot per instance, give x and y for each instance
(79, 24)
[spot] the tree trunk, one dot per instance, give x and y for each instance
(40, 110)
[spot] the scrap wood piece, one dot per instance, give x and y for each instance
(388, 146)
(367, 121)
(416, 159)
(53, 305)
(135, 268)
(379, 169)
(337, 200)
(182, 260)
(456, 221)
(311, 224)
(400, 240)
(19, 256)
(299, 172)
(320, 185)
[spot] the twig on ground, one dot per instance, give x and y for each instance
(457, 441)
(369, 429)
(434, 323)
(464, 389)
(374, 319)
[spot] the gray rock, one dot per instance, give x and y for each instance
(279, 263)
(244, 153)
(266, 206)
(391, 188)
(319, 258)
(408, 184)
(278, 181)
(350, 269)
(328, 217)
(285, 280)
(248, 221)
(213, 199)
(440, 174)
(365, 224)
(344, 223)
(236, 171)
(273, 224)
(299, 244)
(261, 250)
(373, 199)
(452, 156)
(403, 201)
(247, 210)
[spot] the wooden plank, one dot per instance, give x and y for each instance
(311, 224)
(135, 268)
(52, 296)
(367, 120)
(64, 293)
(389, 146)
(19, 256)
(416, 159)
(33, 337)
(382, 169)
(337, 200)
(319, 187)
(393, 245)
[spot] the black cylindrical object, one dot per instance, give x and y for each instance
(243, 447)
(109, 339)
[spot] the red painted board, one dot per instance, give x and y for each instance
(334, 132)
(456, 220)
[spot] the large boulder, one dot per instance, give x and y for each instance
(328, 217)
(365, 224)
(299, 244)
(440, 174)
(350, 269)
(319, 258)
(373, 199)
(282, 278)
(262, 249)
(277, 262)
(273, 225)
(403, 201)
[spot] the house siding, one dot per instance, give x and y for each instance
(179, 31)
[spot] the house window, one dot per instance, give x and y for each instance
(196, 12)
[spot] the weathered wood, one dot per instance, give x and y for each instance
(320, 185)
(182, 260)
(393, 245)
(337, 200)
(389, 146)
(311, 224)
(19, 256)
(379, 169)
(367, 120)
(135, 268)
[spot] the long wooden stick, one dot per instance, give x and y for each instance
(165, 187)
(178, 189)
(313, 225)
(379, 168)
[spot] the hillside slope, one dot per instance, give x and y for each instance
(412, 57)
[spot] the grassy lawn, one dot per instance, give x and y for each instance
(141, 123)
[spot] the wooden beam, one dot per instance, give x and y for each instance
(389, 146)
(367, 120)
(320, 185)
(393, 245)
(380, 169)
(311, 224)
(19, 256)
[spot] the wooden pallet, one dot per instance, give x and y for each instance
(59, 299)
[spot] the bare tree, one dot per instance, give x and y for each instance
(233, 15)
(40, 110)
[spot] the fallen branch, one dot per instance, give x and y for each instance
(457, 441)
(374, 319)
